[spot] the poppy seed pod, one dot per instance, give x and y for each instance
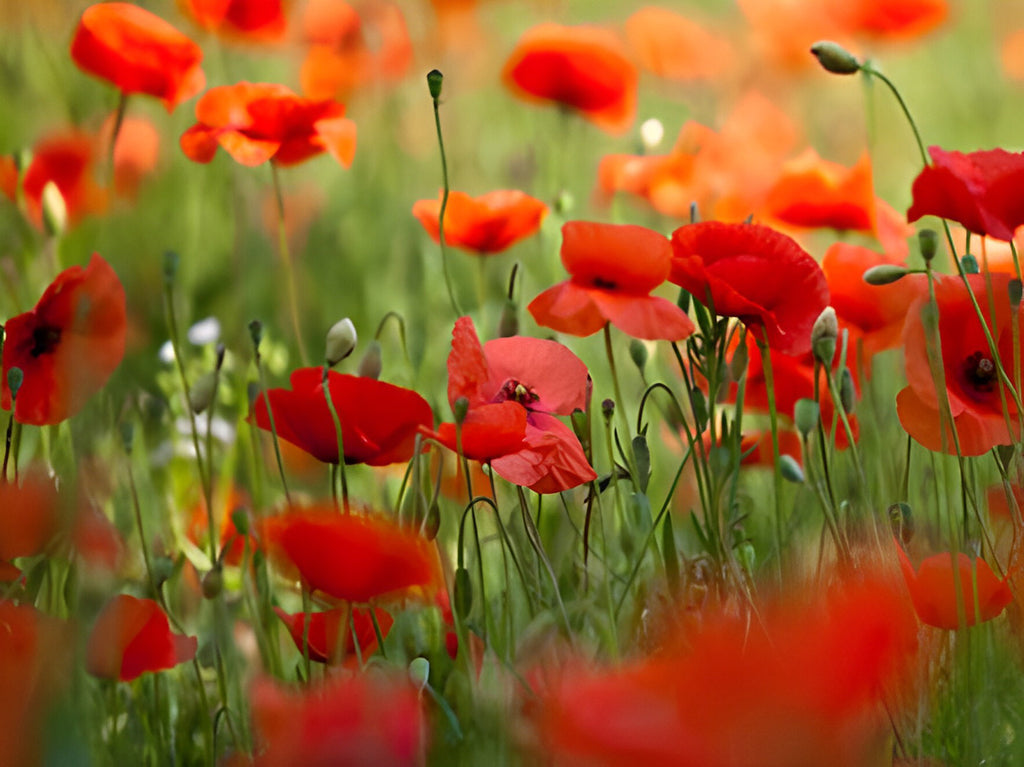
(341, 341)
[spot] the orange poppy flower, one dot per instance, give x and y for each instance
(674, 47)
(256, 122)
(131, 637)
(138, 52)
(972, 383)
(353, 557)
(346, 719)
(754, 273)
(330, 636)
(252, 20)
(1012, 55)
(30, 517)
(613, 269)
(582, 68)
(486, 224)
(889, 18)
(812, 192)
(67, 346)
(9, 177)
(933, 589)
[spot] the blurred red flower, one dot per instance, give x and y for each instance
(812, 192)
(330, 634)
(31, 515)
(613, 269)
(132, 636)
(256, 122)
(582, 68)
(232, 543)
(934, 586)
(486, 224)
(889, 18)
(379, 421)
(754, 273)
(676, 47)
(978, 190)
(802, 686)
(252, 20)
(358, 719)
(67, 346)
(534, 379)
(354, 557)
(138, 52)
(972, 382)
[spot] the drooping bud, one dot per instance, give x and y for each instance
(256, 333)
(835, 58)
(463, 600)
(638, 353)
(928, 242)
(200, 395)
(434, 82)
(824, 333)
(341, 341)
(460, 408)
(738, 363)
(213, 582)
(806, 413)
(370, 365)
(55, 210)
(885, 274)
(419, 672)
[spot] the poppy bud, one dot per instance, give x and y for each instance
(564, 203)
(638, 352)
(55, 210)
(790, 469)
(823, 336)
(370, 365)
(508, 324)
(15, 378)
(434, 82)
(162, 570)
(463, 592)
(581, 428)
(902, 520)
(460, 408)
(928, 242)
(419, 672)
(970, 264)
(608, 408)
(835, 58)
(200, 396)
(806, 413)
(738, 363)
(642, 456)
(256, 333)
(170, 266)
(432, 522)
(847, 392)
(699, 407)
(884, 274)
(341, 341)
(213, 583)
(1015, 290)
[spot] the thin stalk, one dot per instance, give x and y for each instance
(289, 269)
(325, 384)
(444, 206)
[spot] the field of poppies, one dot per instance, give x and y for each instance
(511, 382)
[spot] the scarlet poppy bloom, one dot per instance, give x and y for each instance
(138, 52)
(933, 589)
(972, 382)
(330, 635)
(30, 518)
(613, 269)
(675, 47)
(977, 190)
(812, 192)
(534, 379)
(379, 421)
(729, 696)
(343, 720)
(132, 636)
(355, 557)
(9, 177)
(67, 346)
(486, 224)
(256, 122)
(754, 273)
(253, 20)
(582, 68)
(889, 19)
(232, 542)
(874, 314)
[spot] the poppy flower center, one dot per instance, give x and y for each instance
(44, 340)
(980, 371)
(601, 282)
(517, 392)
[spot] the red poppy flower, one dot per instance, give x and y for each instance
(9, 177)
(874, 314)
(812, 192)
(889, 18)
(675, 47)
(138, 52)
(330, 634)
(232, 542)
(613, 270)
(933, 589)
(253, 20)
(972, 382)
(256, 122)
(583, 68)
(379, 421)
(754, 273)
(67, 346)
(487, 224)
(978, 190)
(355, 557)
(343, 720)
(132, 636)
(729, 697)
(30, 518)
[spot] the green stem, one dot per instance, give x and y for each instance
(325, 382)
(289, 269)
(444, 209)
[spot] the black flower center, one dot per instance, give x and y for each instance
(980, 371)
(518, 392)
(44, 340)
(601, 282)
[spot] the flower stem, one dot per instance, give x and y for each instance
(325, 384)
(289, 269)
(444, 208)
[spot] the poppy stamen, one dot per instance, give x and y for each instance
(517, 392)
(980, 371)
(601, 282)
(44, 340)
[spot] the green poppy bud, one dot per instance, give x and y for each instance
(806, 413)
(928, 242)
(823, 336)
(884, 274)
(835, 58)
(341, 341)
(790, 470)
(434, 82)
(370, 365)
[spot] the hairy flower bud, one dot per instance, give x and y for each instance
(835, 58)
(341, 341)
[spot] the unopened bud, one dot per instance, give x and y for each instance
(419, 672)
(341, 341)
(928, 242)
(564, 203)
(738, 363)
(460, 408)
(970, 264)
(434, 82)
(835, 58)
(240, 519)
(370, 365)
(806, 413)
(432, 522)
(790, 470)
(608, 408)
(55, 210)
(824, 333)
(463, 600)
(508, 323)
(638, 353)
(885, 274)
(213, 583)
(15, 378)
(200, 395)
(256, 333)
(1015, 290)
(847, 391)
